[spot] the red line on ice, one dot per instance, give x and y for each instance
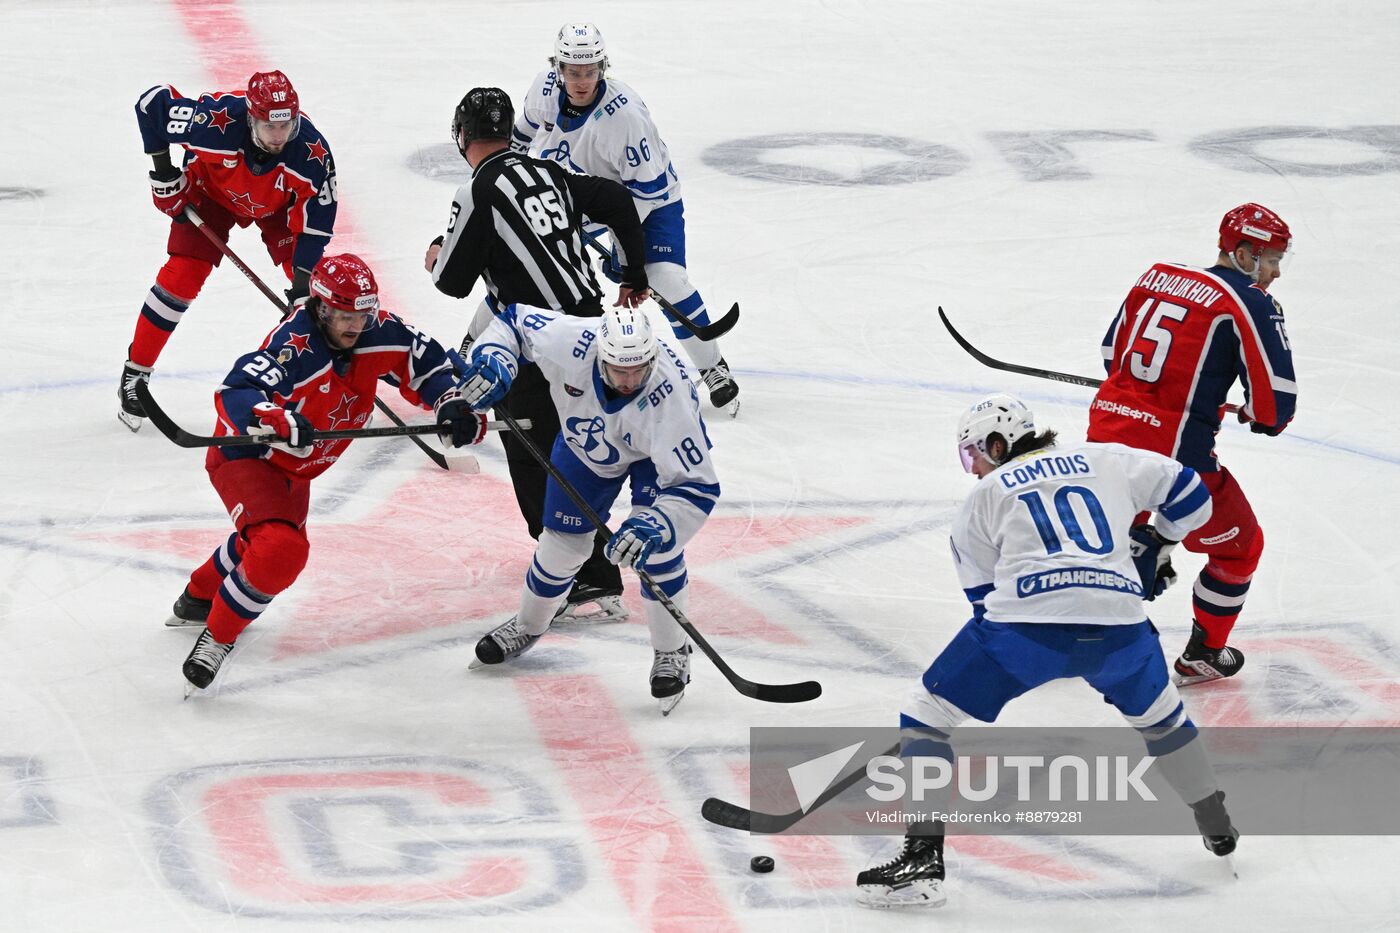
(637, 828)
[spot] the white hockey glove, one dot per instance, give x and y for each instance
(636, 540)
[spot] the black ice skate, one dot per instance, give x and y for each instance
(189, 611)
(590, 605)
(914, 879)
(503, 643)
(1217, 832)
(724, 391)
(204, 661)
(670, 672)
(1199, 664)
(132, 414)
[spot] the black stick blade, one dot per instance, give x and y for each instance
(721, 327)
(724, 813)
(781, 693)
(733, 816)
(161, 420)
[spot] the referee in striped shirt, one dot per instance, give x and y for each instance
(517, 226)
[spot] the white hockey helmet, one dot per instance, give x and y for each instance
(625, 340)
(1001, 415)
(580, 44)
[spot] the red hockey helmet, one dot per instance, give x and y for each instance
(272, 98)
(345, 283)
(1256, 225)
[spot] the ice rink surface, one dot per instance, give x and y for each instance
(847, 167)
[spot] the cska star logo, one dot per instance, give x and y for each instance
(317, 151)
(382, 316)
(300, 343)
(244, 202)
(219, 119)
(341, 413)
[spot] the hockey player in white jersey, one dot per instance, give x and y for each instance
(628, 411)
(1056, 572)
(579, 116)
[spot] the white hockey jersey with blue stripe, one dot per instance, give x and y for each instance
(661, 421)
(615, 138)
(1044, 538)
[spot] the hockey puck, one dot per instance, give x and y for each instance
(761, 864)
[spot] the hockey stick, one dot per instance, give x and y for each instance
(252, 276)
(724, 813)
(167, 426)
(709, 331)
(768, 693)
(986, 360)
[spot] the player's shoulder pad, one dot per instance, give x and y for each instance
(545, 87)
(622, 107)
(220, 122)
(295, 339)
(309, 155)
(388, 328)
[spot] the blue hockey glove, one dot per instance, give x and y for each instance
(1152, 557)
(485, 382)
(462, 426)
(636, 540)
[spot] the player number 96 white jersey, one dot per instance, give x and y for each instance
(616, 139)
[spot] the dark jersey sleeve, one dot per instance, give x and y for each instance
(427, 370)
(607, 202)
(466, 246)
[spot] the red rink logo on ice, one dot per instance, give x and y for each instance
(380, 837)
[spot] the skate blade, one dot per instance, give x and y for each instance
(916, 894)
(477, 663)
(1230, 864)
(176, 622)
(596, 617)
(732, 409)
(1186, 680)
(191, 690)
(669, 703)
(132, 422)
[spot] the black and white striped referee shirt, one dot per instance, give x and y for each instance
(517, 226)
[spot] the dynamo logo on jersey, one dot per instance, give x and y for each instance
(1048, 581)
(585, 435)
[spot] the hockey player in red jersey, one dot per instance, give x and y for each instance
(317, 371)
(1179, 342)
(251, 157)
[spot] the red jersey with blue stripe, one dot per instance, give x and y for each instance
(1179, 342)
(215, 134)
(296, 368)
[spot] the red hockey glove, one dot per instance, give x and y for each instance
(291, 426)
(171, 192)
